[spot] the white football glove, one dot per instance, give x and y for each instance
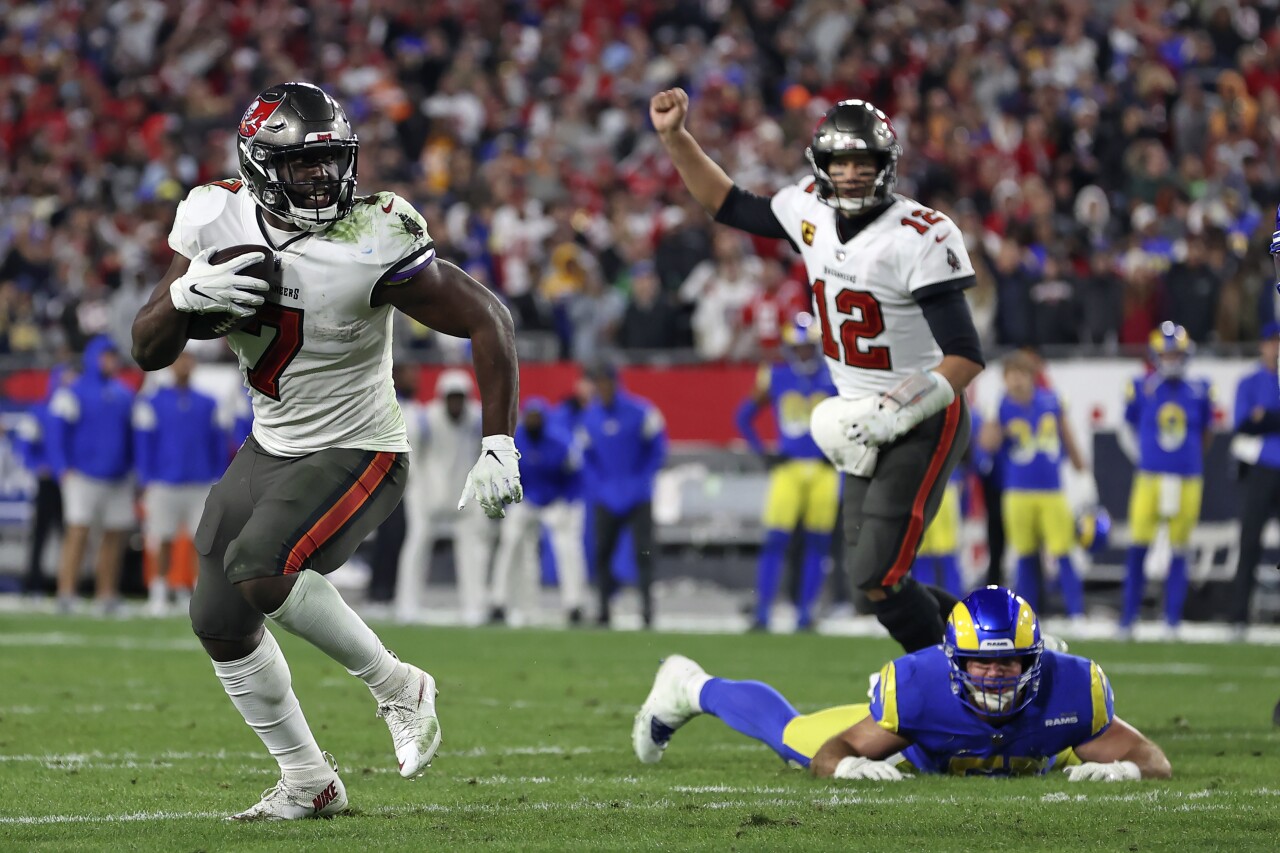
(858, 767)
(494, 480)
(901, 408)
(1112, 771)
(208, 288)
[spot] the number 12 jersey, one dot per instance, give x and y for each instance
(865, 291)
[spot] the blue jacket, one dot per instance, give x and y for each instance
(624, 447)
(550, 469)
(177, 439)
(31, 439)
(1260, 388)
(90, 422)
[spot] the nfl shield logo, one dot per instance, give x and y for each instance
(840, 255)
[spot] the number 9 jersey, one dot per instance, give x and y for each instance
(865, 291)
(317, 358)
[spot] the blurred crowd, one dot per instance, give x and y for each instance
(1112, 163)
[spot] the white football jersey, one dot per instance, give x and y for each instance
(317, 361)
(874, 334)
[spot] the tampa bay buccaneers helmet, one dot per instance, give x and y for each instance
(287, 132)
(848, 127)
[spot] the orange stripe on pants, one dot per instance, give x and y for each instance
(915, 527)
(341, 512)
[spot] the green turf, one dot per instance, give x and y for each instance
(116, 735)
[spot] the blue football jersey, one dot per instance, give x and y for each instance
(1170, 417)
(793, 395)
(1031, 454)
(914, 698)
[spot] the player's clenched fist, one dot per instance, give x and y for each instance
(667, 110)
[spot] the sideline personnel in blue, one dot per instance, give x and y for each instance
(32, 437)
(989, 701)
(181, 451)
(624, 443)
(804, 489)
(91, 451)
(1257, 445)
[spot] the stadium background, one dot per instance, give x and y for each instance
(1111, 165)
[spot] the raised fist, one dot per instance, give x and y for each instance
(667, 110)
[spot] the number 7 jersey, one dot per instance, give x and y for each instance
(865, 291)
(317, 359)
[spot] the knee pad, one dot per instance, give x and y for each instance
(911, 616)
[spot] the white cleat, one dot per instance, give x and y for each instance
(411, 717)
(323, 796)
(667, 707)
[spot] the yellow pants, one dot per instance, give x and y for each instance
(942, 536)
(803, 491)
(1036, 521)
(1181, 497)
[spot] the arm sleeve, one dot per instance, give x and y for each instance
(1101, 699)
(1242, 406)
(64, 410)
(745, 418)
(144, 424)
(950, 321)
(1133, 405)
(655, 431)
(405, 246)
(751, 213)
(884, 699)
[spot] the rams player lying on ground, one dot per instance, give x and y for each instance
(989, 701)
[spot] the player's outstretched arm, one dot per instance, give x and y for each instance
(859, 752)
(160, 329)
(1118, 754)
(446, 299)
(706, 181)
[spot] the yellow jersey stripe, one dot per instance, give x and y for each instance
(888, 698)
(1098, 689)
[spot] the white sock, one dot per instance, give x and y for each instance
(158, 591)
(316, 612)
(259, 687)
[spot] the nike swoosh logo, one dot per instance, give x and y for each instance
(198, 292)
(941, 237)
(494, 455)
(386, 208)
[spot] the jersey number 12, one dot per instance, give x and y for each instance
(840, 334)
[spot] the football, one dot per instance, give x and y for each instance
(218, 324)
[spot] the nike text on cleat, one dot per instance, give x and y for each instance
(323, 796)
(667, 707)
(411, 717)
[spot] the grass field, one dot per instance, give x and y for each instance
(116, 735)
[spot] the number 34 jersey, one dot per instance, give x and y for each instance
(865, 291)
(317, 359)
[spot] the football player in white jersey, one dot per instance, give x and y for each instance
(326, 460)
(887, 275)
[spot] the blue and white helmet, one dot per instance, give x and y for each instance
(994, 622)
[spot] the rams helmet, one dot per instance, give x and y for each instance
(1093, 529)
(994, 623)
(1171, 348)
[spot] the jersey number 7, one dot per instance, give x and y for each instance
(840, 334)
(265, 374)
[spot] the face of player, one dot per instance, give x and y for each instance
(183, 368)
(1269, 350)
(454, 404)
(1172, 364)
(313, 177)
(109, 363)
(993, 686)
(606, 388)
(854, 174)
(1020, 384)
(533, 423)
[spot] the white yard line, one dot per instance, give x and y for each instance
(62, 638)
(1159, 800)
